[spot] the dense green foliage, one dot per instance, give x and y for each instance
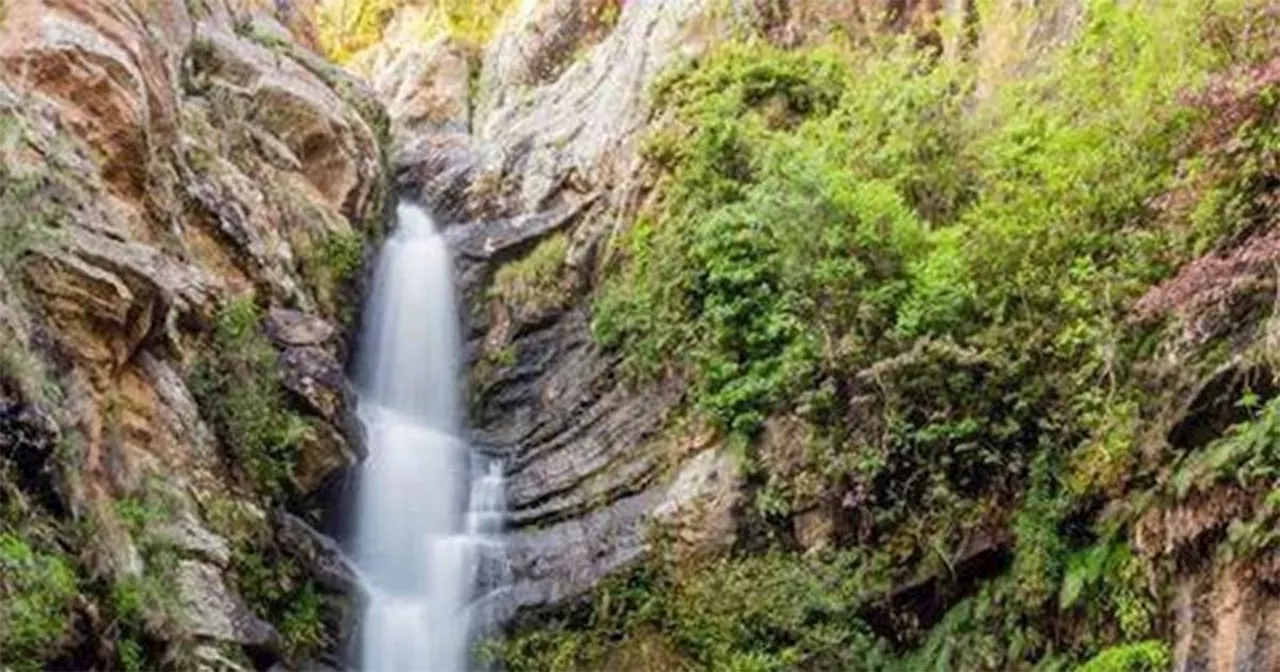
(236, 382)
(824, 209)
(770, 612)
(1147, 656)
(936, 276)
(35, 602)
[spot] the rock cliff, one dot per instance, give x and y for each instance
(188, 196)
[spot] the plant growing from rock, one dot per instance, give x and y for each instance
(236, 383)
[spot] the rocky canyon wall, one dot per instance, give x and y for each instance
(188, 199)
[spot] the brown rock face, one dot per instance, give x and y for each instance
(174, 155)
(1226, 621)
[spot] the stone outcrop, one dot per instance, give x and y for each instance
(426, 88)
(1226, 620)
(162, 158)
(209, 609)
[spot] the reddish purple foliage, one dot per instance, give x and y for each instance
(1239, 104)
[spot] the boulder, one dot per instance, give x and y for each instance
(315, 376)
(207, 608)
(295, 328)
(700, 504)
(320, 555)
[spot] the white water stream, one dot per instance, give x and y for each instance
(430, 509)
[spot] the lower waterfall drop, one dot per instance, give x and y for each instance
(429, 508)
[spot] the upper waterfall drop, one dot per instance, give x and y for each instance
(428, 506)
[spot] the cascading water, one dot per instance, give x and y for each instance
(429, 507)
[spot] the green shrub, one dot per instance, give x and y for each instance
(277, 590)
(272, 583)
(302, 625)
(329, 265)
(237, 387)
(534, 282)
(130, 655)
(37, 590)
(1149, 656)
(777, 611)
(767, 261)
(144, 605)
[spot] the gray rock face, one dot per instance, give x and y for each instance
(700, 504)
(426, 88)
(556, 143)
(538, 44)
(294, 328)
(313, 373)
(321, 555)
(187, 534)
(554, 149)
(208, 609)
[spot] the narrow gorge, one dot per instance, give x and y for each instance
(639, 335)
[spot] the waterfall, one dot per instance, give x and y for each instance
(429, 507)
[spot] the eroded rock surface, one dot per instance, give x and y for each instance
(174, 155)
(209, 609)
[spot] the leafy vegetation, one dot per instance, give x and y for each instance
(272, 583)
(533, 282)
(236, 383)
(1148, 656)
(330, 265)
(771, 612)
(35, 613)
(144, 604)
(959, 288)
